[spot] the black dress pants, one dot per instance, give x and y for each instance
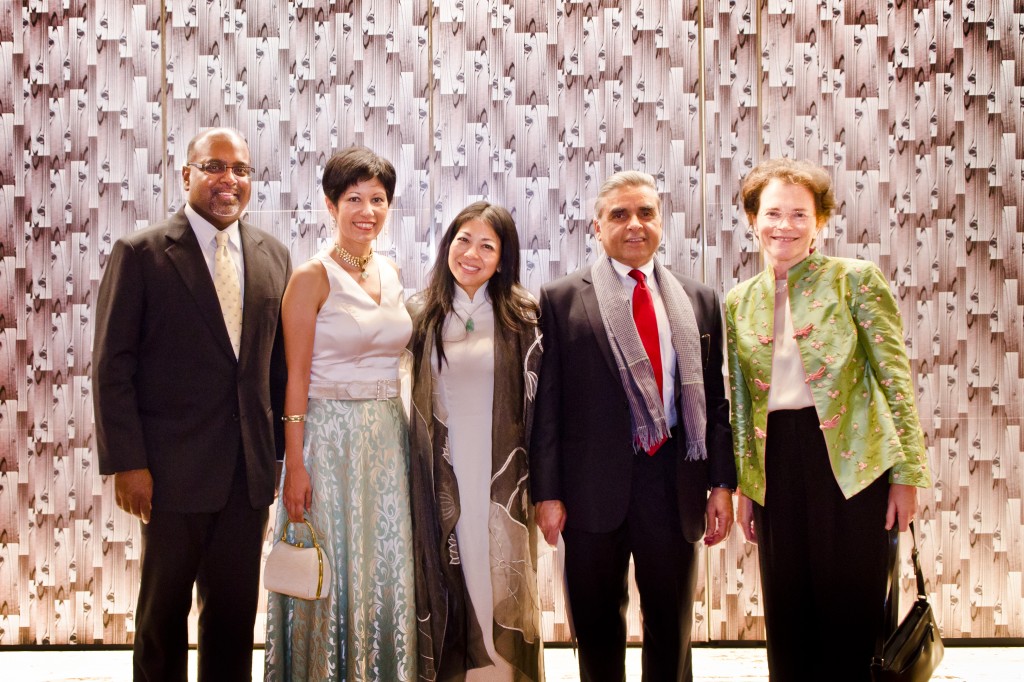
(825, 559)
(665, 570)
(219, 552)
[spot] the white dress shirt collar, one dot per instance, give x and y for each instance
(623, 270)
(206, 233)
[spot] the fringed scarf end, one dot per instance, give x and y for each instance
(696, 451)
(647, 437)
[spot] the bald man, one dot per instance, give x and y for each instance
(188, 380)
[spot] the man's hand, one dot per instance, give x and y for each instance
(745, 517)
(133, 491)
(551, 519)
(719, 516)
(902, 506)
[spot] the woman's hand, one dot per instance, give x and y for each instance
(745, 517)
(298, 493)
(902, 506)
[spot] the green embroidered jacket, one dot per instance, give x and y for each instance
(850, 336)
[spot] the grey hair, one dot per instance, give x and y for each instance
(629, 178)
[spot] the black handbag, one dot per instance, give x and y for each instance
(914, 650)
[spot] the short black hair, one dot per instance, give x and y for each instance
(354, 165)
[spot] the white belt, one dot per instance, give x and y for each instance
(381, 389)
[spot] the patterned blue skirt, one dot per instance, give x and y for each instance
(357, 456)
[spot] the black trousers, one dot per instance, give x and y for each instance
(665, 570)
(219, 553)
(825, 559)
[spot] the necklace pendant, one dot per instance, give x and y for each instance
(470, 326)
(364, 275)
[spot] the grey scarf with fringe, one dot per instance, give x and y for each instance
(650, 425)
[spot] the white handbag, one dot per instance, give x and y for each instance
(298, 571)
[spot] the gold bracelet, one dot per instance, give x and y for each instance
(293, 418)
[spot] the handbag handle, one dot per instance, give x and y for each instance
(316, 545)
(917, 566)
(890, 605)
(312, 532)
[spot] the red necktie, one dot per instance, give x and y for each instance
(647, 326)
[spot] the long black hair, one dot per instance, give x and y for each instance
(514, 308)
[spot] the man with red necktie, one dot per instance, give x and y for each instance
(631, 432)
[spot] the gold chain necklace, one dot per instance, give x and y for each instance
(358, 262)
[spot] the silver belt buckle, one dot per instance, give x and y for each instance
(382, 389)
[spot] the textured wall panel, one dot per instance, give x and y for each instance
(914, 107)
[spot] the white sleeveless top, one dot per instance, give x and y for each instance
(358, 344)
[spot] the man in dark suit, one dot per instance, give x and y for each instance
(631, 431)
(188, 381)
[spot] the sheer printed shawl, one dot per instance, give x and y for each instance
(449, 637)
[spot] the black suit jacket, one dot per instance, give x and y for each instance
(582, 447)
(168, 392)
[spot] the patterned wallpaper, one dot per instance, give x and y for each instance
(916, 108)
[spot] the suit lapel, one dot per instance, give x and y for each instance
(188, 260)
(257, 265)
(697, 303)
(589, 297)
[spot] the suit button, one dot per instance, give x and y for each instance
(234, 416)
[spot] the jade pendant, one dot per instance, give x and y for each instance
(469, 325)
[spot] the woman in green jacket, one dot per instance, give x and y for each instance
(829, 449)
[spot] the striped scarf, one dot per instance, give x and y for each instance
(646, 408)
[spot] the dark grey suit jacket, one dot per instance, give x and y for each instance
(581, 450)
(168, 392)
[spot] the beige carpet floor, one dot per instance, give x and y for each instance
(710, 664)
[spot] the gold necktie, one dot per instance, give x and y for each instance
(229, 292)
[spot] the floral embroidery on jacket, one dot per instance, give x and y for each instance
(831, 422)
(817, 374)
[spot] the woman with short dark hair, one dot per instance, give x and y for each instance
(346, 445)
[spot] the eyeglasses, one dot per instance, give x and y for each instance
(218, 167)
(796, 219)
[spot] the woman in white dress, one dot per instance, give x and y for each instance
(476, 349)
(346, 445)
